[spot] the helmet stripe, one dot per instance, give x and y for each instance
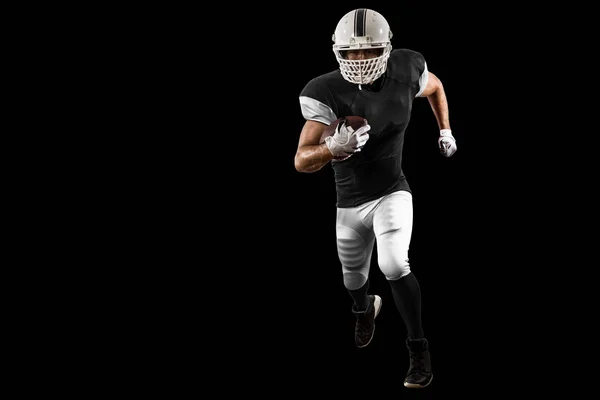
(360, 22)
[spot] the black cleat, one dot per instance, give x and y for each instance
(365, 322)
(419, 373)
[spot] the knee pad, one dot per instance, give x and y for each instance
(394, 266)
(392, 251)
(354, 280)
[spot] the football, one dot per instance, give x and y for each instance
(353, 121)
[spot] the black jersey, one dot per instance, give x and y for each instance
(386, 104)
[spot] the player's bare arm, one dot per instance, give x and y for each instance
(434, 91)
(310, 155)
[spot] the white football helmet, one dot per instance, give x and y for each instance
(362, 29)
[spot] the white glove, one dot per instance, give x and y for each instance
(446, 143)
(345, 141)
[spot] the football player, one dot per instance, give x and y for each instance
(374, 199)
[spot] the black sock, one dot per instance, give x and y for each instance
(407, 296)
(360, 297)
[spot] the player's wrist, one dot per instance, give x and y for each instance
(446, 133)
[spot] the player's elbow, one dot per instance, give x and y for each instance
(303, 164)
(299, 165)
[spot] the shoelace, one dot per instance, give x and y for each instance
(418, 362)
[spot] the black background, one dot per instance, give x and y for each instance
(246, 281)
(313, 325)
(294, 313)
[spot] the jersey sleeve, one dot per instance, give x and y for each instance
(410, 67)
(317, 103)
(423, 78)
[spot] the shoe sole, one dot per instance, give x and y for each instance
(377, 304)
(415, 386)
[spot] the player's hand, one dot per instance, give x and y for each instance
(346, 141)
(447, 143)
